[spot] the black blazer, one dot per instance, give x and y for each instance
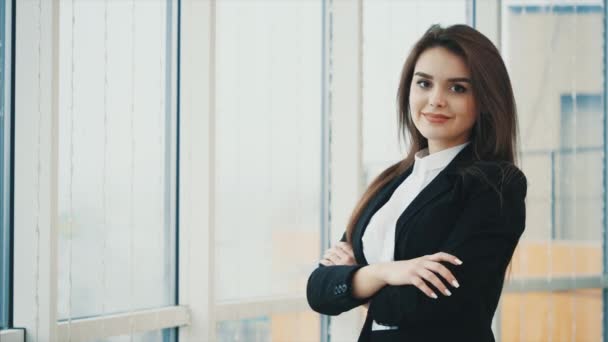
(474, 210)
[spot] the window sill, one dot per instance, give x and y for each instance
(12, 335)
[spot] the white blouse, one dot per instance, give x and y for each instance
(379, 236)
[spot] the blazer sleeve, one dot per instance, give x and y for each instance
(484, 237)
(329, 289)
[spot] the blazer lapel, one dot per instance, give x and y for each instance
(439, 185)
(375, 204)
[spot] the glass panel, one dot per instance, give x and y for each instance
(4, 173)
(390, 29)
(299, 326)
(268, 140)
(555, 56)
(116, 245)
(268, 165)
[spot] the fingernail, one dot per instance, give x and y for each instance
(458, 261)
(455, 283)
(447, 292)
(434, 295)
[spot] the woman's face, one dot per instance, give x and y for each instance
(441, 99)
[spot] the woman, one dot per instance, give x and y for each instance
(429, 242)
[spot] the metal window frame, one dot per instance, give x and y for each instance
(605, 177)
(88, 329)
(325, 238)
(39, 320)
(6, 164)
(196, 167)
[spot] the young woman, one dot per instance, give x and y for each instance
(428, 244)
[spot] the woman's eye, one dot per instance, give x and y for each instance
(458, 88)
(423, 84)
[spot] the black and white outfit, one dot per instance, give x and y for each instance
(445, 202)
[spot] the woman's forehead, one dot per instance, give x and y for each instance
(440, 63)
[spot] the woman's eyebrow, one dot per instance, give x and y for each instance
(455, 79)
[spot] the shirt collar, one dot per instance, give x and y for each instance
(425, 162)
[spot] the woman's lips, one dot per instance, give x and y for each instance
(436, 118)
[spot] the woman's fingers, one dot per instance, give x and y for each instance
(443, 272)
(333, 256)
(436, 267)
(442, 256)
(433, 279)
(326, 262)
(337, 256)
(332, 253)
(340, 254)
(346, 248)
(420, 284)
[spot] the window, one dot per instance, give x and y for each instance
(578, 189)
(95, 191)
(390, 29)
(117, 162)
(268, 170)
(555, 55)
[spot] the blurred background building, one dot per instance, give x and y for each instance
(173, 170)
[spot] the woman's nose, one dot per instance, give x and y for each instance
(437, 98)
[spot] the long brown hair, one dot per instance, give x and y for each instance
(494, 135)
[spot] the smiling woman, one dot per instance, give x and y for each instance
(442, 102)
(429, 242)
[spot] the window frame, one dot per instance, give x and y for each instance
(12, 335)
(6, 120)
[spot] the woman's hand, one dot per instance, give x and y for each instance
(340, 254)
(416, 271)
